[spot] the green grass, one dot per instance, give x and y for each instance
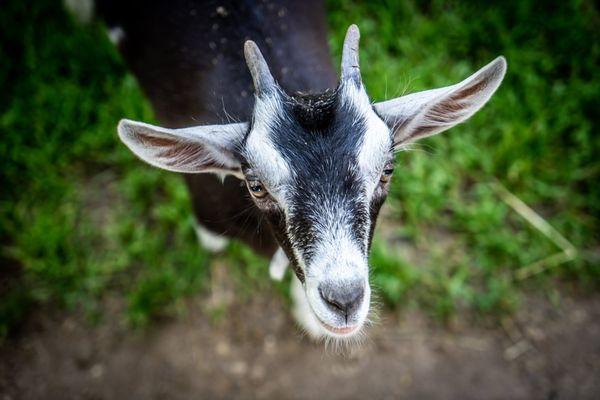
(81, 218)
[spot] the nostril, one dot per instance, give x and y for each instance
(359, 293)
(332, 302)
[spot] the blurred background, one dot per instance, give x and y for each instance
(486, 260)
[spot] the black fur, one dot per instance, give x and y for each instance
(314, 112)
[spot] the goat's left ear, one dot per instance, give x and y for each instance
(197, 149)
(423, 114)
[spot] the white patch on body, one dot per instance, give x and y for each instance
(116, 34)
(278, 265)
(210, 241)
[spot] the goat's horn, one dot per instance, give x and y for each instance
(263, 80)
(350, 66)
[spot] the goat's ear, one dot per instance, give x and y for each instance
(423, 114)
(197, 149)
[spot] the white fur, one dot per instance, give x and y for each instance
(260, 150)
(210, 241)
(377, 141)
(116, 34)
(303, 313)
(278, 265)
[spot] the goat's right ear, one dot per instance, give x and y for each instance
(211, 148)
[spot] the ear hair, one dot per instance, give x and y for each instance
(427, 113)
(211, 148)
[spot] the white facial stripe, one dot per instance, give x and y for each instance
(377, 140)
(334, 224)
(336, 245)
(337, 253)
(375, 150)
(262, 153)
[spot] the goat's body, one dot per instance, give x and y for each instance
(188, 59)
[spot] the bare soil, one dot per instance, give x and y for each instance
(545, 352)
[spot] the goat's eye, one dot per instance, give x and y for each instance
(256, 188)
(387, 173)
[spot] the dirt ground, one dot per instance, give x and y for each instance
(545, 352)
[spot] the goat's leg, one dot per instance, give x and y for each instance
(278, 265)
(302, 312)
(208, 240)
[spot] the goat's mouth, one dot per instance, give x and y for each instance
(342, 331)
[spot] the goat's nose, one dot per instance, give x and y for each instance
(343, 297)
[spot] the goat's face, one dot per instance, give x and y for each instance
(318, 168)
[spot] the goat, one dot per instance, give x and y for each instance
(315, 155)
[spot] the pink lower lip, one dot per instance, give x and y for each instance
(339, 331)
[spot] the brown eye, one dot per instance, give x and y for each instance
(256, 188)
(387, 173)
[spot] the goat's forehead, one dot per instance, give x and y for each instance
(331, 134)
